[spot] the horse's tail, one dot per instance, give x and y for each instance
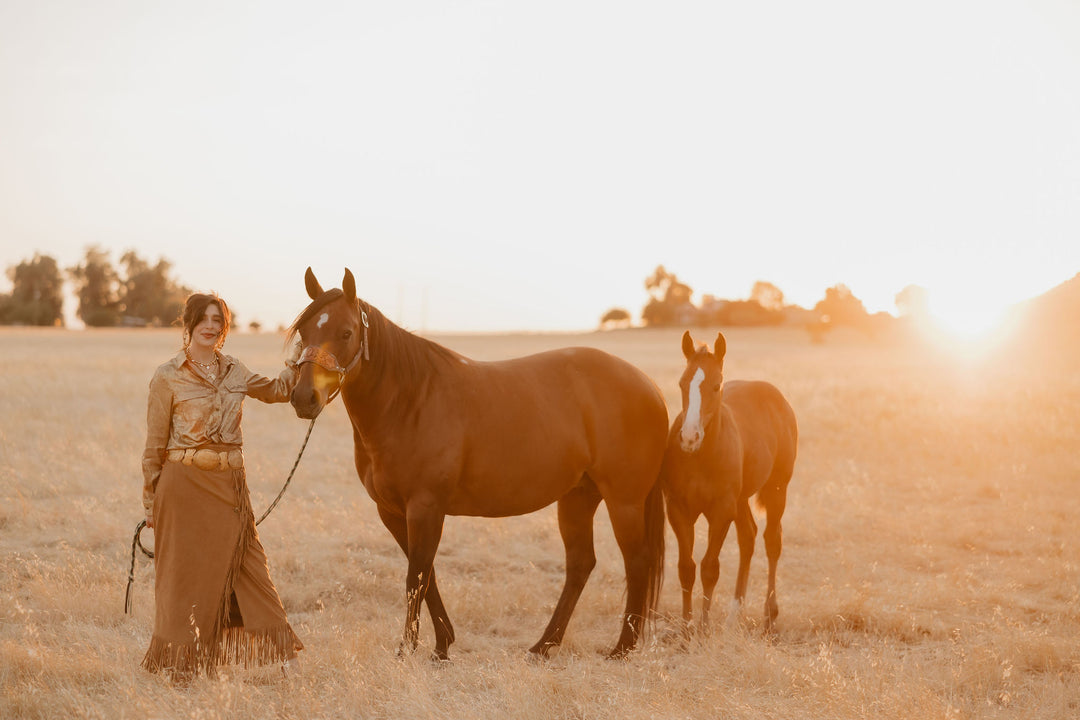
(654, 548)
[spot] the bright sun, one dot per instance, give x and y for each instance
(965, 318)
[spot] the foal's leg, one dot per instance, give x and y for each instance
(576, 511)
(775, 502)
(719, 525)
(683, 527)
(424, 523)
(444, 631)
(746, 530)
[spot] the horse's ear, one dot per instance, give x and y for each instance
(348, 285)
(314, 289)
(688, 348)
(720, 347)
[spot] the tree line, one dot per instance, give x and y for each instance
(136, 294)
(670, 304)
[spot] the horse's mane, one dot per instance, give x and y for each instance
(411, 354)
(413, 357)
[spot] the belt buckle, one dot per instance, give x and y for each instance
(207, 459)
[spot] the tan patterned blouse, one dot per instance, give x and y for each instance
(185, 410)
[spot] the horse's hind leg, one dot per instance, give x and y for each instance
(576, 511)
(774, 500)
(444, 631)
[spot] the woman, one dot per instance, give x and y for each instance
(214, 600)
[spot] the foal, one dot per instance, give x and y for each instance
(730, 441)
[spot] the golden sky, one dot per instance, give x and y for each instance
(505, 165)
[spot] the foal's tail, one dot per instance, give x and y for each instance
(654, 548)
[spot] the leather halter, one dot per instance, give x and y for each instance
(328, 361)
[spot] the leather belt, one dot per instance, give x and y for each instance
(207, 459)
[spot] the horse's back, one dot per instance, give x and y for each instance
(532, 426)
(623, 411)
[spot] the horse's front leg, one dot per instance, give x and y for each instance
(444, 630)
(576, 511)
(424, 524)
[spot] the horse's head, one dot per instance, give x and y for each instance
(702, 385)
(333, 335)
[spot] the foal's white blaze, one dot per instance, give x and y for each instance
(692, 432)
(322, 320)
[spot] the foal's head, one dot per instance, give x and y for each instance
(702, 385)
(332, 333)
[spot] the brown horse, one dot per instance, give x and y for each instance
(437, 434)
(730, 441)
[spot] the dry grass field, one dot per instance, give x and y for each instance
(931, 567)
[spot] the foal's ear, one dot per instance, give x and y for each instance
(688, 349)
(720, 347)
(314, 289)
(348, 286)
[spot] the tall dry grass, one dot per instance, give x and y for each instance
(930, 565)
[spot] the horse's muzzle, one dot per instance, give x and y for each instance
(307, 405)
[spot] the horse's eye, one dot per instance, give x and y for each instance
(346, 335)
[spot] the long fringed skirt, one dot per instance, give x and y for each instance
(214, 600)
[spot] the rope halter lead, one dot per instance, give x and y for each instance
(310, 354)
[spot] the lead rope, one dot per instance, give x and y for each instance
(137, 543)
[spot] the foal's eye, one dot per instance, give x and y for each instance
(716, 387)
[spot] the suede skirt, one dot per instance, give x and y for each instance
(214, 601)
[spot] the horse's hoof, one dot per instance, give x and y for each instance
(536, 657)
(540, 650)
(439, 659)
(619, 653)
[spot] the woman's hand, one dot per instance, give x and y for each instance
(294, 353)
(150, 520)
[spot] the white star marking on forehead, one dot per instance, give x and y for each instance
(322, 320)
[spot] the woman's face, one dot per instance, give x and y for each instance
(208, 329)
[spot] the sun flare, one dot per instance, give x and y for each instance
(967, 321)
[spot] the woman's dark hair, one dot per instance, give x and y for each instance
(195, 308)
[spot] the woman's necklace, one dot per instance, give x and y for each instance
(209, 368)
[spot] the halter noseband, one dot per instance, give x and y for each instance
(327, 361)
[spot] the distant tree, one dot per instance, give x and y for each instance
(767, 296)
(148, 293)
(748, 313)
(669, 301)
(615, 317)
(841, 307)
(254, 326)
(37, 293)
(96, 287)
(913, 302)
